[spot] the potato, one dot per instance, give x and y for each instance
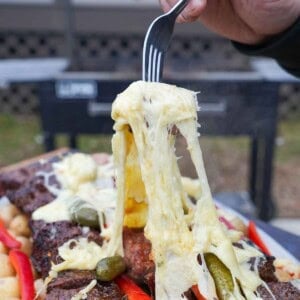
(26, 244)
(8, 212)
(239, 225)
(9, 287)
(6, 269)
(11, 233)
(19, 225)
(3, 249)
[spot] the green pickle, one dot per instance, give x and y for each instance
(221, 275)
(83, 214)
(109, 268)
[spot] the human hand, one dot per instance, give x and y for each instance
(245, 21)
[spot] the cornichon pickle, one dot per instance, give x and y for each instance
(221, 275)
(110, 267)
(83, 214)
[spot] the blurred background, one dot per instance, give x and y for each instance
(59, 58)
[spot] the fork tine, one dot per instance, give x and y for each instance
(154, 65)
(147, 57)
(160, 63)
(149, 66)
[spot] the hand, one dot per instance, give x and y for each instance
(245, 21)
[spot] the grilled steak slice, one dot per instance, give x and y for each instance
(14, 179)
(137, 251)
(26, 187)
(71, 279)
(69, 283)
(48, 237)
(31, 196)
(281, 290)
(189, 295)
(265, 267)
(10, 181)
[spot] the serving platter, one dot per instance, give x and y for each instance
(286, 260)
(276, 249)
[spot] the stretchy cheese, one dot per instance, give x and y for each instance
(146, 115)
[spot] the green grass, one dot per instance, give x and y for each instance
(289, 132)
(17, 138)
(20, 138)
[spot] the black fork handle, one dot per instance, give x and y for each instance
(178, 8)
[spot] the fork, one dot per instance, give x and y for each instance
(157, 41)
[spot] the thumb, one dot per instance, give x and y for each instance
(192, 11)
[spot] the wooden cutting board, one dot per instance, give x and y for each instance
(27, 162)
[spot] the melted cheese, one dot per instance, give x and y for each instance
(74, 170)
(144, 116)
(191, 187)
(81, 178)
(79, 254)
(56, 210)
(83, 294)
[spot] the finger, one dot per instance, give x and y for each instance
(190, 13)
(193, 10)
(166, 5)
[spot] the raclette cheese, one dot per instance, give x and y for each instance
(145, 115)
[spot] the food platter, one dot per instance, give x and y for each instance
(109, 227)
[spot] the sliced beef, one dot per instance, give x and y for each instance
(71, 279)
(8, 183)
(48, 237)
(281, 290)
(265, 267)
(26, 187)
(61, 294)
(69, 283)
(31, 196)
(14, 179)
(137, 251)
(189, 295)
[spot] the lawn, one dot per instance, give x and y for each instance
(226, 159)
(20, 138)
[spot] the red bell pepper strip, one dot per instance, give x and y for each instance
(7, 239)
(226, 223)
(256, 239)
(21, 264)
(196, 292)
(130, 289)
